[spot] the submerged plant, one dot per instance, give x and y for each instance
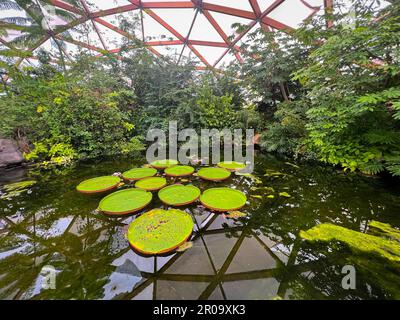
(223, 199)
(99, 184)
(160, 231)
(125, 201)
(15, 189)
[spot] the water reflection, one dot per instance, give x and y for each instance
(257, 257)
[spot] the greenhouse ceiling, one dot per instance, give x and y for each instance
(202, 30)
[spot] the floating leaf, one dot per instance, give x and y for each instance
(162, 164)
(184, 180)
(235, 215)
(160, 231)
(139, 173)
(179, 171)
(179, 195)
(214, 174)
(151, 184)
(284, 194)
(271, 196)
(99, 184)
(231, 165)
(223, 199)
(256, 196)
(185, 246)
(125, 201)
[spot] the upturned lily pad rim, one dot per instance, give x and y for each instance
(137, 184)
(191, 169)
(223, 209)
(205, 177)
(163, 166)
(238, 165)
(133, 210)
(179, 186)
(164, 251)
(152, 172)
(113, 186)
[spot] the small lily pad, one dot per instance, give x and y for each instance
(162, 164)
(179, 195)
(125, 201)
(214, 174)
(151, 184)
(256, 196)
(160, 231)
(231, 165)
(99, 184)
(179, 171)
(223, 199)
(139, 173)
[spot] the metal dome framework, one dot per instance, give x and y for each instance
(195, 28)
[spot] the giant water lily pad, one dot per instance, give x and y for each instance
(98, 184)
(179, 171)
(160, 231)
(162, 164)
(139, 173)
(223, 199)
(179, 195)
(125, 201)
(231, 165)
(151, 184)
(214, 174)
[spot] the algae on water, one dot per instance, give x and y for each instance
(358, 242)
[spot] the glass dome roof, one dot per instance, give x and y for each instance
(206, 31)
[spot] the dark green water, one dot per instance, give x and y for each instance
(259, 257)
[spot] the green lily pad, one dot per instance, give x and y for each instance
(125, 201)
(160, 231)
(284, 194)
(179, 171)
(151, 184)
(139, 173)
(231, 165)
(223, 199)
(98, 184)
(162, 164)
(179, 195)
(214, 174)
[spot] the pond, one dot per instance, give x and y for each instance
(260, 256)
